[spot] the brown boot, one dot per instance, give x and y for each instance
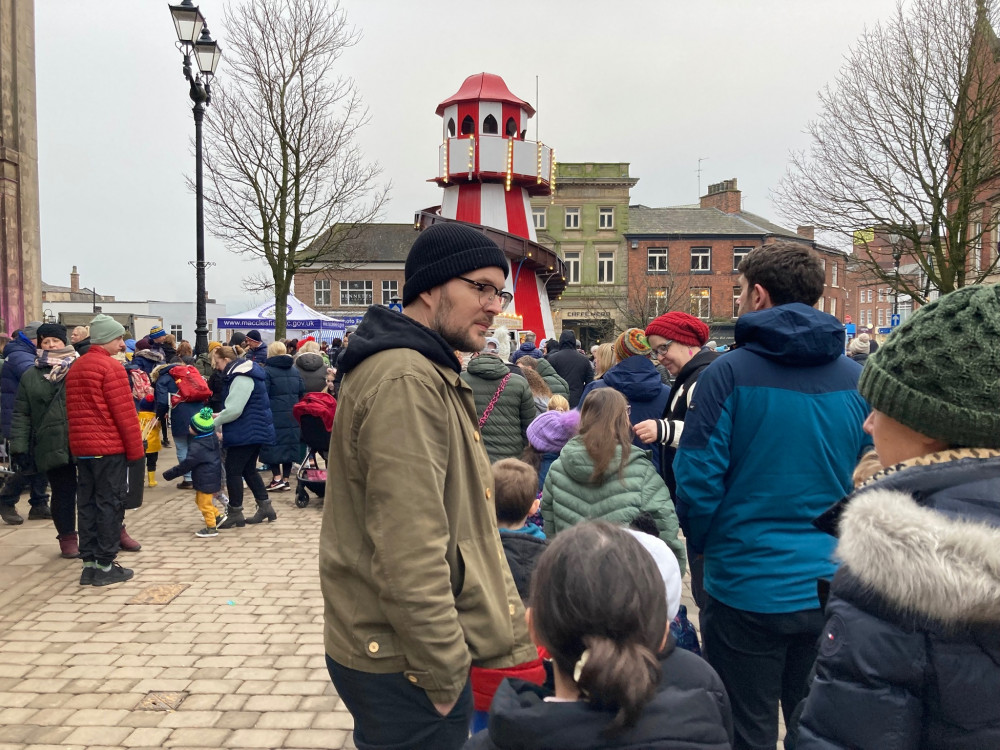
(69, 545)
(127, 543)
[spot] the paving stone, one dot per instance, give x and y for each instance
(200, 737)
(239, 719)
(147, 737)
(286, 720)
(245, 738)
(333, 720)
(191, 719)
(310, 738)
(98, 735)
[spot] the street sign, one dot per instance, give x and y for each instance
(894, 321)
(850, 329)
(848, 319)
(884, 331)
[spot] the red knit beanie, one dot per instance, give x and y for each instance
(680, 327)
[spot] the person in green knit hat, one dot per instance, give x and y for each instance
(204, 462)
(910, 648)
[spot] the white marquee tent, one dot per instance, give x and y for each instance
(301, 320)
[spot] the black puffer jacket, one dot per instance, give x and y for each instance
(522, 551)
(574, 367)
(505, 433)
(690, 711)
(910, 657)
(204, 461)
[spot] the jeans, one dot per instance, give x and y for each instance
(241, 463)
(389, 712)
(181, 444)
(101, 506)
(761, 658)
(63, 482)
(15, 485)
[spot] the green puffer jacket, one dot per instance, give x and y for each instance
(505, 432)
(568, 497)
(39, 426)
(556, 382)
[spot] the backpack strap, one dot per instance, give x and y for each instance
(493, 401)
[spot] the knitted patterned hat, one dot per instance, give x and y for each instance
(444, 251)
(631, 343)
(202, 422)
(105, 329)
(156, 332)
(937, 372)
(680, 327)
(551, 430)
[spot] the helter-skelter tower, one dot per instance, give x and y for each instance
(488, 171)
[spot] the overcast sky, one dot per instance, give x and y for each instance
(658, 83)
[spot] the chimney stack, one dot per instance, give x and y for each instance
(74, 281)
(724, 196)
(807, 232)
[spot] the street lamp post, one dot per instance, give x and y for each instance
(193, 38)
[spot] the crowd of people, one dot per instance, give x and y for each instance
(835, 510)
(87, 412)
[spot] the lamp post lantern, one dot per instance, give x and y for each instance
(193, 38)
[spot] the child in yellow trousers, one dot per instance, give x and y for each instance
(204, 461)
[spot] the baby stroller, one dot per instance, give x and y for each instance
(314, 413)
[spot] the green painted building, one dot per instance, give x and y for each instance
(585, 221)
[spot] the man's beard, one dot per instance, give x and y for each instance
(457, 335)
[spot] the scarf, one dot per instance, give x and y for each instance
(58, 359)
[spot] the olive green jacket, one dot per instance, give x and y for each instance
(412, 570)
(39, 426)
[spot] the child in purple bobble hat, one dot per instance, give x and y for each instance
(547, 434)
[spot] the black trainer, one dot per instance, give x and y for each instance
(87, 576)
(40, 512)
(10, 515)
(117, 574)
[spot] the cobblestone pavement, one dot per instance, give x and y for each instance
(235, 640)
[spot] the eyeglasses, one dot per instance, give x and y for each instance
(662, 349)
(488, 293)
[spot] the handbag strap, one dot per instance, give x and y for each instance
(493, 401)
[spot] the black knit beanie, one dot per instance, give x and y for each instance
(444, 251)
(938, 372)
(51, 330)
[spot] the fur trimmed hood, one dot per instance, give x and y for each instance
(936, 554)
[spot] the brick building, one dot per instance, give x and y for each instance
(375, 277)
(686, 258)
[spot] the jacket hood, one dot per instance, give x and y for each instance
(933, 548)
(153, 356)
(310, 361)
(796, 335)
(567, 340)
(246, 367)
(383, 329)
(19, 345)
(636, 378)
(578, 464)
(282, 361)
(488, 367)
(527, 346)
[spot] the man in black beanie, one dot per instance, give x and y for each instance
(409, 530)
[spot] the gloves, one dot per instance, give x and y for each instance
(23, 462)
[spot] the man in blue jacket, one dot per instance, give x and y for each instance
(770, 440)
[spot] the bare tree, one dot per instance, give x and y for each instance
(287, 181)
(647, 296)
(903, 148)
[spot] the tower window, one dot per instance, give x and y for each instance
(490, 125)
(451, 127)
(510, 129)
(468, 125)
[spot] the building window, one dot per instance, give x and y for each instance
(834, 274)
(701, 259)
(656, 260)
(977, 247)
(821, 305)
(510, 129)
(881, 295)
(605, 218)
(572, 217)
(538, 215)
(701, 303)
(177, 332)
(390, 289)
(451, 127)
(605, 268)
(736, 302)
(490, 125)
(321, 292)
(468, 125)
(870, 296)
(833, 308)
(356, 293)
(739, 253)
(572, 260)
(880, 317)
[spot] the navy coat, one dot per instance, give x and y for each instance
(254, 426)
(19, 355)
(284, 389)
(204, 461)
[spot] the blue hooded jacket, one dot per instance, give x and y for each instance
(638, 380)
(770, 441)
(19, 355)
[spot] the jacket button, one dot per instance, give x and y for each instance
(412, 678)
(513, 609)
(488, 493)
(475, 436)
(373, 647)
